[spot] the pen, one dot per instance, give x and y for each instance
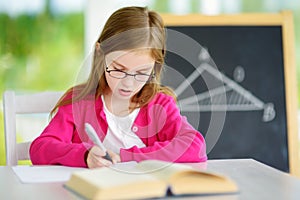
(94, 137)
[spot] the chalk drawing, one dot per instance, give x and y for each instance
(237, 97)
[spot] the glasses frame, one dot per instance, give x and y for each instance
(150, 76)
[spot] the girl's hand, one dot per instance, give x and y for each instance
(115, 157)
(95, 158)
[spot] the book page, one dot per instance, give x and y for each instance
(108, 177)
(112, 183)
(185, 179)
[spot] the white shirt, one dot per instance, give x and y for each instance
(119, 133)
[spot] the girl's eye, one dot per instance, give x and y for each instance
(115, 67)
(142, 73)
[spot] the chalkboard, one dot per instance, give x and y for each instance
(235, 78)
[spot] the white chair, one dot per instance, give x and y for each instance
(14, 104)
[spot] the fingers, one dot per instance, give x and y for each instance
(95, 158)
(96, 151)
(115, 157)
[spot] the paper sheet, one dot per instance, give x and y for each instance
(126, 167)
(56, 173)
(44, 174)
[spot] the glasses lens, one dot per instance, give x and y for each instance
(117, 74)
(143, 77)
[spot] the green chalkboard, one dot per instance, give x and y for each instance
(234, 76)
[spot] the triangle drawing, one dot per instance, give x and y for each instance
(228, 96)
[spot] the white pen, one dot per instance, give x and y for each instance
(94, 137)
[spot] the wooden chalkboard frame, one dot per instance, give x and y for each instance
(284, 19)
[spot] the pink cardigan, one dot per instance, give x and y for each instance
(166, 134)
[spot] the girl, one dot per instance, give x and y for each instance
(134, 116)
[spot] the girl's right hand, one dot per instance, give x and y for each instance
(96, 158)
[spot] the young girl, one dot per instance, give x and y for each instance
(134, 116)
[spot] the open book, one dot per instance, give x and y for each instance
(148, 179)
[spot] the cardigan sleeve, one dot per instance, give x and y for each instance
(59, 143)
(170, 137)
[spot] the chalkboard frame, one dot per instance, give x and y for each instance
(283, 19)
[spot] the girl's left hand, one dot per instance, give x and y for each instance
(115, 157)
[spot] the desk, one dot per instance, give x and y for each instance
(255, 181)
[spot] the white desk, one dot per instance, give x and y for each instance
(255, 181)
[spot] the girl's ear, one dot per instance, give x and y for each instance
(98, 49)
(97, 45)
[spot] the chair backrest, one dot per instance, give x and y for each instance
(14, 104)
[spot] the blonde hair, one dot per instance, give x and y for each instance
(128, 28)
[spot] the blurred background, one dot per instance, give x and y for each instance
(44, 42)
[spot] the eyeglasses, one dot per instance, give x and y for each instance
(119, 74)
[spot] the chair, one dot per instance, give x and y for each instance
(14, 104)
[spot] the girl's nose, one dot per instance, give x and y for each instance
(128, 81)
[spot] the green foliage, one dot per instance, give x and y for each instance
(161, 6)
(40, 52)
(250, 6)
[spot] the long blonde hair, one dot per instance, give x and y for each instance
(126, 29)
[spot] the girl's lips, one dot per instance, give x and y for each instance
(125, 92)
